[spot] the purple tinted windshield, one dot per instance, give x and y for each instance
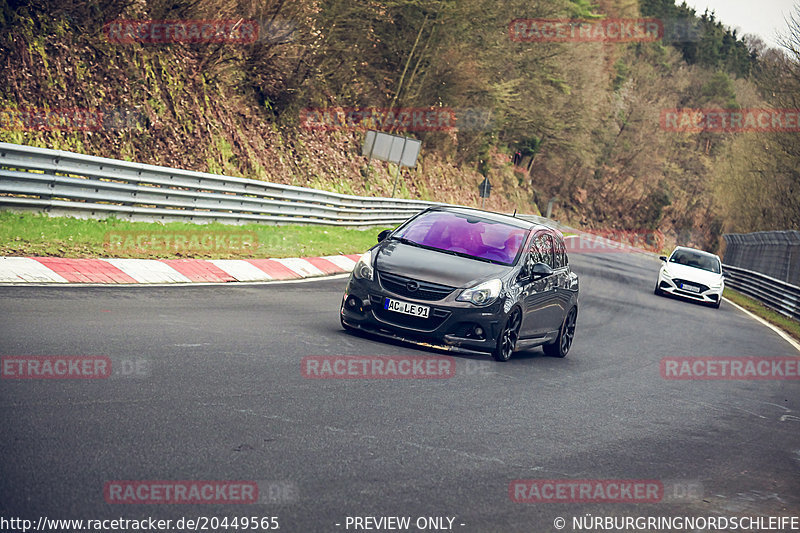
(473, 236)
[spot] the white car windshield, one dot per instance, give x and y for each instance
(696, 260)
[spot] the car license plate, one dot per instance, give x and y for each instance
(690, 288)
(406, 308)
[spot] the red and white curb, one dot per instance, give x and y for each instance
(63, 270)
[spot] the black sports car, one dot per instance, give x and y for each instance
(469, 280)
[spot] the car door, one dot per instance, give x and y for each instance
(539, 295)
(566, 283)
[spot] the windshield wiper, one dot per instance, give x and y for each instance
(449, 252)
(408, 242)
(469, 256)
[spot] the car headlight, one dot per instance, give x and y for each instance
(482, 294)
(363, 269)
(665, 273)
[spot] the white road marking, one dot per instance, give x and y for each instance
(301, 266)
(785, 336)
(148, 270)
(241, 270)
(25, 269)
(194, 283)
(345, 263)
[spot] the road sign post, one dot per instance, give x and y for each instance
(485, 189)
(403, 151)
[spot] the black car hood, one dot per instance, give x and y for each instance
(432, 266)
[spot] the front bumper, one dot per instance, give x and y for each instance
(679, 287)
(450, 324)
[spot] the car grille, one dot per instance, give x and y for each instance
(436, 318)
(679, 282)
(425, 291)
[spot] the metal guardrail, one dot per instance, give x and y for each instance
(66, 183)
(774, 253)
(774, 293)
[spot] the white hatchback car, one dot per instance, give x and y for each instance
(693, 274)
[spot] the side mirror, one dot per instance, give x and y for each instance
(663, 258)
(382, 235)
(726, 274)
(541, 270)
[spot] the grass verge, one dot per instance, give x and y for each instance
(792, 327)
(27, 234)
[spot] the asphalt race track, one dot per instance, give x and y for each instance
(208, 386)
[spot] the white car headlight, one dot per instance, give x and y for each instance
(482, 294)
(363, 269)
(665, 272)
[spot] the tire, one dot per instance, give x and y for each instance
(508, 337)
(562, 344)
(716, 305)
(657, 291)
